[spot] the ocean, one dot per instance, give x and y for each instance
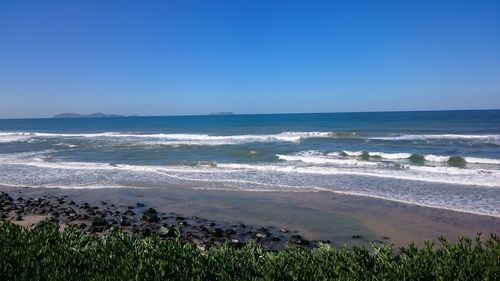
(441, 159)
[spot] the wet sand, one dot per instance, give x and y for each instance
(342, 219)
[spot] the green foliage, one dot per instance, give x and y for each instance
(45, 253)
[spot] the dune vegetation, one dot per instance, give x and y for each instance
(45, 253)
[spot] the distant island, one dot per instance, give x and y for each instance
(222, 113)
(93, 115)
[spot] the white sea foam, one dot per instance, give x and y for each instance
(23, 156)
(325, 160)
(384, 155)
(352, 153)
(308, 170)
(405, 155)
(315, 165)
(494, 139)
(388, 155)
(69, 145)
(453, 171)
(446, 175)
(177, 139)
(477, 160)
(13, 137)
(436, 158)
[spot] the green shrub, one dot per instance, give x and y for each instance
(45, 253)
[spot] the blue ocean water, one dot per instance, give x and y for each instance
(441, 159)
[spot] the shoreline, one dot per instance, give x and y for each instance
(316, 189)
(315, 216)
(27, 207)
(312, 190)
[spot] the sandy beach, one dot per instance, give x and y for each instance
(342, 219)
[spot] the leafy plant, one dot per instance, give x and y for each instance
(45, 253)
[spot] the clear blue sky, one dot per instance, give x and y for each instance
(247, 56)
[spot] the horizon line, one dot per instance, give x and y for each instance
(240, 114)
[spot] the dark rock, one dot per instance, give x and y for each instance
(261, 232)
(19, 218)
(202, 228)
(140, 205)
(217, 232)
(99, 221)
(229, 232)
(52, 219)
(356, 236)
(237, 243)
(200, 244)
(298, 240)
(275, 239)
(150, 215)
(242, 225)
(72, 203)
(166, 232)
(124, 221)
(145, 231)
(179, 218)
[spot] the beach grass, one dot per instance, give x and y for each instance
(46, 253)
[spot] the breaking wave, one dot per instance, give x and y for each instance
(309, 162)
(440, 186)
(403, 155)
(205, 139)
(177, 139)
(493, 139)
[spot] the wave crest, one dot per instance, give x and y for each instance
(312, 156)
(493, 139)
(177, 139)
